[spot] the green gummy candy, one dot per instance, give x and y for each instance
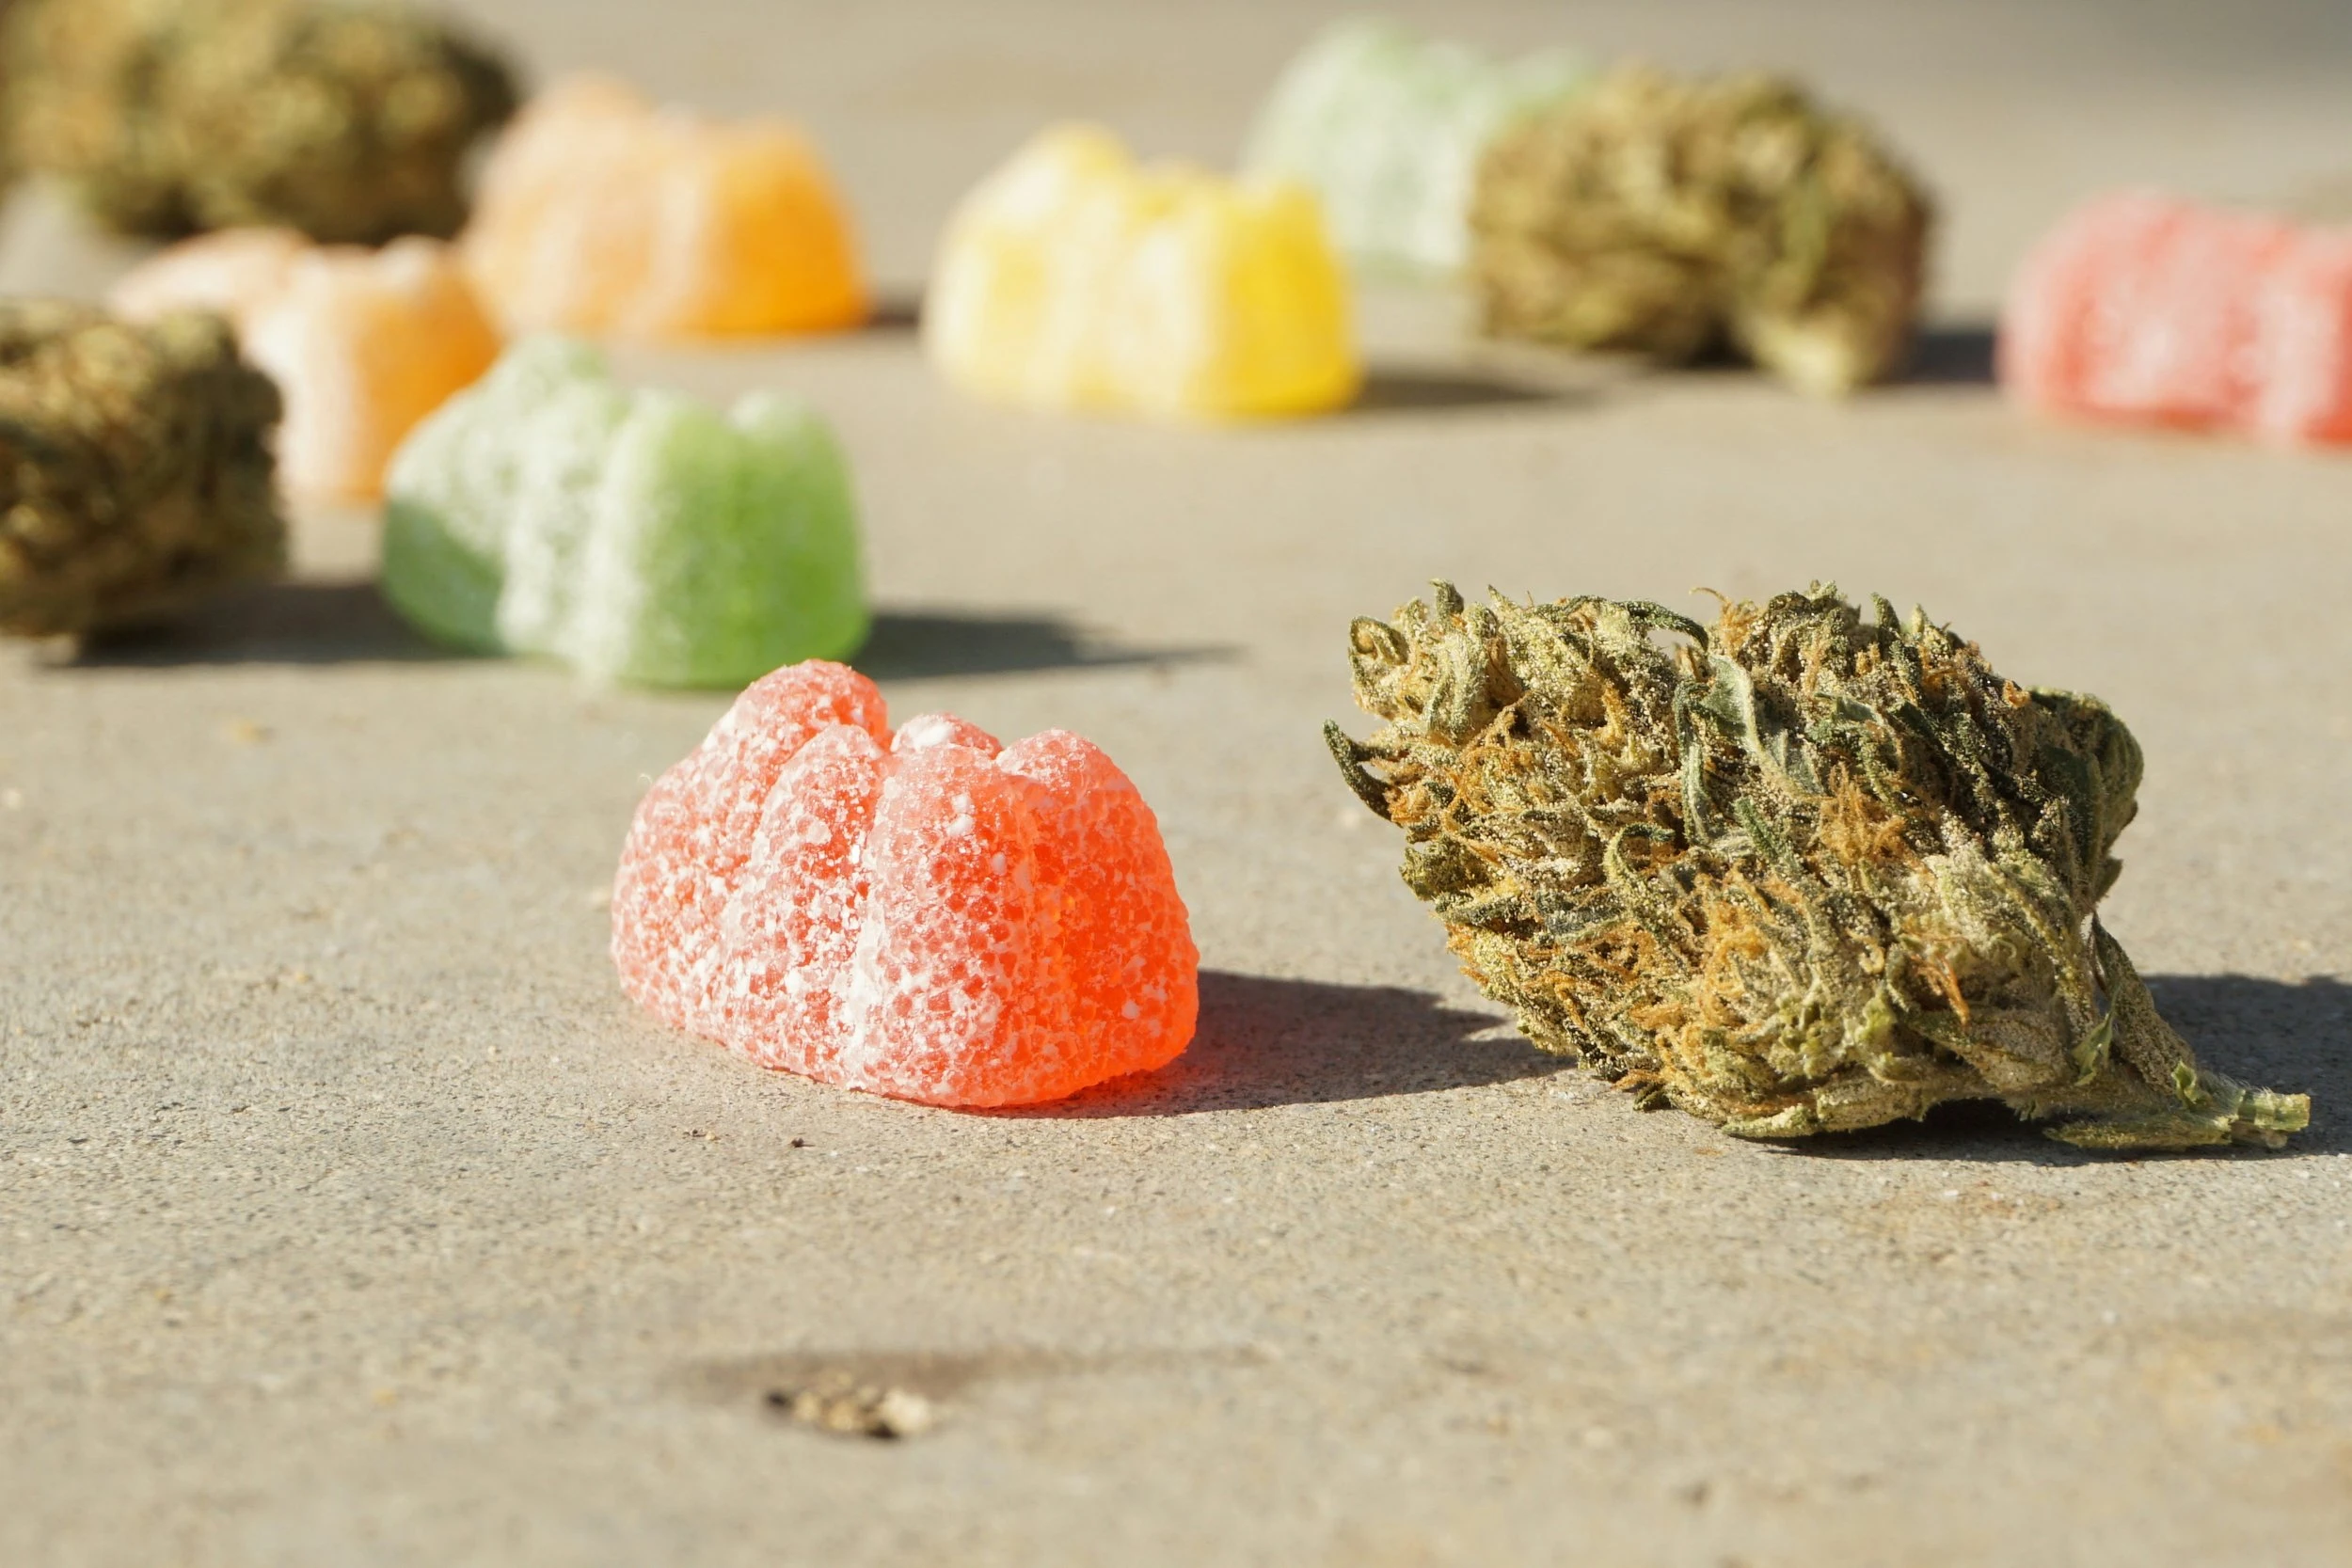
(1387, 128)
(638, 535)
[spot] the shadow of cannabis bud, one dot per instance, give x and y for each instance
(348, 120)
(1795, 873)
(136, 475)
(1666, 216)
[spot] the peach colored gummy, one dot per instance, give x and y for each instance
(931, 916)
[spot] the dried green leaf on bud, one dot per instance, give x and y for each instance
(349, 119)
(1796, 872)
(1670, 217)
(135, 474)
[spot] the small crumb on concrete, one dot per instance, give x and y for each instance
(838, 1403)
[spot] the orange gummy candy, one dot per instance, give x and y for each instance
(929, 915)
(363, 343)
(601, 213)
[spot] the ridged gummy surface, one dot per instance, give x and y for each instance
(364, 344)
(601, 213)
(1073, 278)
(927, 916)
(2140, 307)
(637, 535)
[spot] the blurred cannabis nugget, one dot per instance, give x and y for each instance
(1798, 872)
(134, 467)
(345, 118)
(1668, 217)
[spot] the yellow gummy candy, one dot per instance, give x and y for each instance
(601, 213)
(362, 343)
(1075, 278)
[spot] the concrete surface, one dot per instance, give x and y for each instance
(349, 1215)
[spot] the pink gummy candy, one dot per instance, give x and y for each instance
(2144, 307)
(931, 916)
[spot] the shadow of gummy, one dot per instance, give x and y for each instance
(274, 622)
(916, 645)
(1265, 1043)
(895, 313)
(1399, 389)
(1954, 355)
(2288, 1036)
(349, 623)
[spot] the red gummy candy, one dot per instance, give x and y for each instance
(931, 916)
(2144, 307)
(2054, 313)
(2178, 321)
(2303, 361)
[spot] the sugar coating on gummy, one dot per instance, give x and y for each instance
(638, 535)
(2303, 391)
(362, 343)
(1388, 127)
(1075, 278)
(926, 915)
(2141, 307)
(601, 213)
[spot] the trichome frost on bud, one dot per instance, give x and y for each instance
(348, 120)
(1796, 872)
(1670, 217)
(135, 474)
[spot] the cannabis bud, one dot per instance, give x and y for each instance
(1667, 218)
(134, 467)
(346, 120)
(1797, 872)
